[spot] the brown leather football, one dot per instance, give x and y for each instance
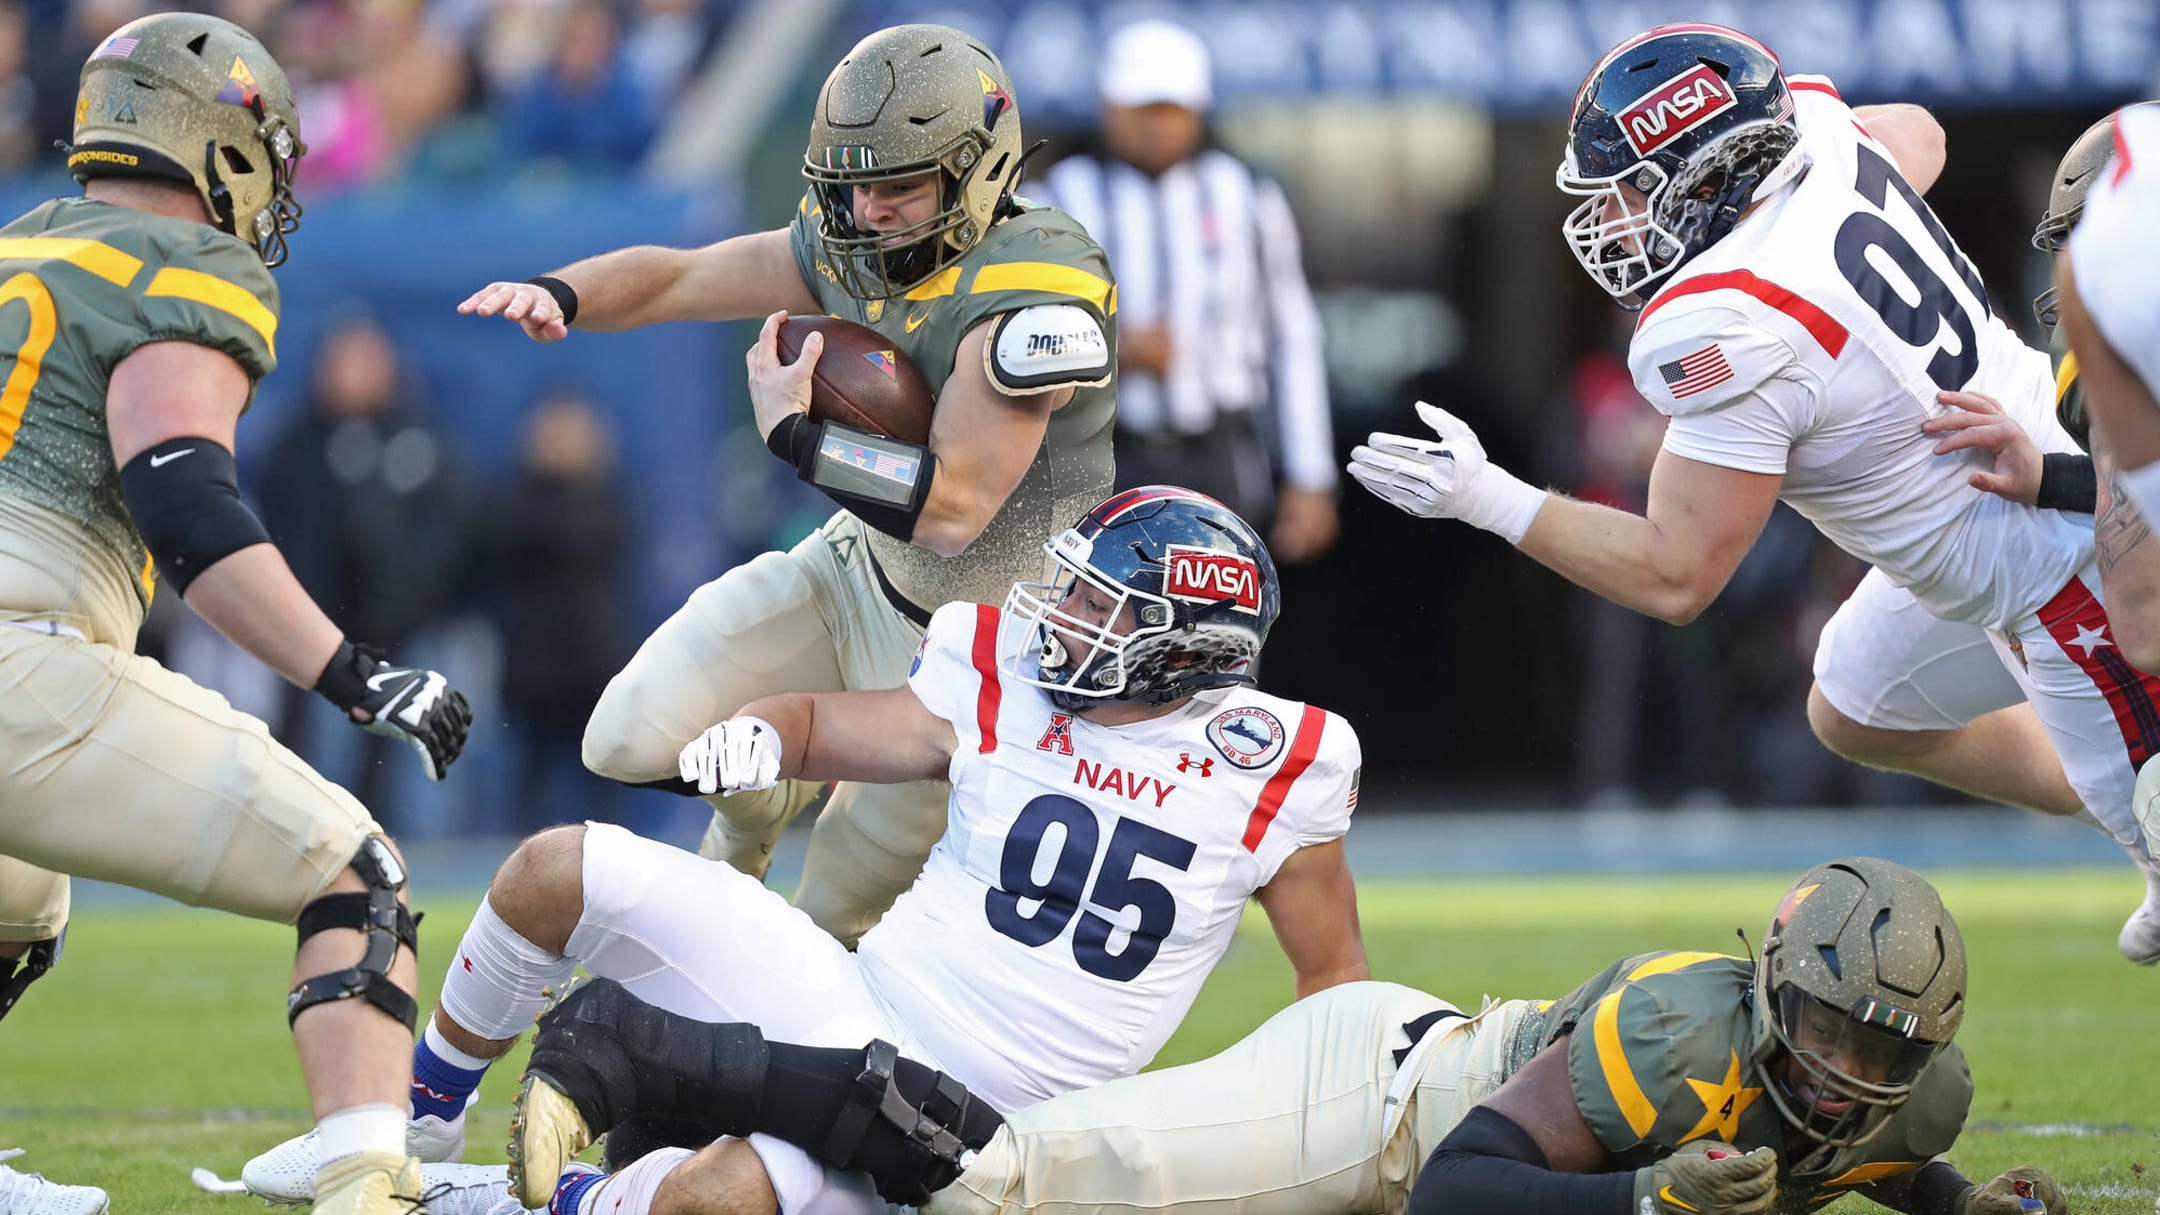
(862, 380)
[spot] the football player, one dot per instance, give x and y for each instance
(1775, 249)
(137, 321)
(912, 227)
(1826, 1067)
(1120, 790)
(1898, 688)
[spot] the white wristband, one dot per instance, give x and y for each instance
(1503, 504)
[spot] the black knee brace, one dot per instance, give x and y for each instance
(377, 912)
(624, 1062)
(22, 972)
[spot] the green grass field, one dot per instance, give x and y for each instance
(161, 1042)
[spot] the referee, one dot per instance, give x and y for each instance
(1221, 384)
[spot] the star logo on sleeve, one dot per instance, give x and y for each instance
(2089, 639)
(1723, 1103)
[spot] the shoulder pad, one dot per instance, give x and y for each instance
(1662, 1058)
(1046, 347)
(214, 290)
(1706, 349)
(1931, 1118)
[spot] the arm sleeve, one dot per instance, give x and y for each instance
(1298, 364)
(215, 292)
(1488, 1165)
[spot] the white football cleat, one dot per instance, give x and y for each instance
(2140, 938)
(31, 1194)
(469, 1189)
(286, 1173)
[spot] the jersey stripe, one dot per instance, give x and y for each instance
(1675, 961)
(2065, 376)
(1820, 325)
(96, 256)
(1866, 1173)
(2079, 624)
(175, 282)
(1812, 86)
(1042, 276)
(1619, 1076)
(985, 658)
(1303, 746)
(937, 286)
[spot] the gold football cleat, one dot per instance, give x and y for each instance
(546, 1131)
(369, 1183)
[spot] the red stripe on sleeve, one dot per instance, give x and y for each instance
(1820, 325)
(1813, 86)
(985, 656)
(2079, 624)
(2122, 151)
(1303, 746)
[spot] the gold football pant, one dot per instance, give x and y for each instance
(112, 767)
(808, 620)
(1308, 1115)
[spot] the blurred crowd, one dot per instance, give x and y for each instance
(452, 88)
(516, 574)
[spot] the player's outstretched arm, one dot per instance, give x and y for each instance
(1671, 562)
(885, 737)
(2125, 433)
(1312, 906)
(742, 276)
(171, 409)
(1938, 1188)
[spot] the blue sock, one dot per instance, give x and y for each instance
(440, 1087)
(571, 1189)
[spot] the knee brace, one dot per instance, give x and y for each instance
(376, 912)
(22, 972)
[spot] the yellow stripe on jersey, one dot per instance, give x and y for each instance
(208, 289)
(96, 256)
(1675, 961)
(1110, 309)
(1868, 1173)
(1619, 1077)
(1043, 276)
(937, 286)
(148, 578)
(2065, 376)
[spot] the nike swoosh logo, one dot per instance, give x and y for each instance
(1665, 1193)
(915, 322)
(169, 457)
(375, 682)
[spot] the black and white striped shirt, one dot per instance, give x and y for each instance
(1209, 251)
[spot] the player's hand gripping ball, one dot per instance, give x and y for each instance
(739, 754)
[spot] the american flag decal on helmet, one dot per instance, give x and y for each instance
(1692, 373)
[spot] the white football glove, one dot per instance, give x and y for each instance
(739, 754)
(1447, 479)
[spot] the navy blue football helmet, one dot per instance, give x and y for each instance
(1154, 595)
(1694, 118)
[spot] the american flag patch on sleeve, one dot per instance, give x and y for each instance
(1692, 373)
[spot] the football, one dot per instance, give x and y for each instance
(862, 380)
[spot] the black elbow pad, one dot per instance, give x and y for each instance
(184, 495)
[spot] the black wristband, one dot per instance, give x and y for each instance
(565, 298)
(2067, 482)
(795, 441)
(343, 681)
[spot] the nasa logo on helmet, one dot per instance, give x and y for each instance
(1247, 737)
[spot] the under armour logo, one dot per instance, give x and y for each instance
(466, 960)
(1185, 763)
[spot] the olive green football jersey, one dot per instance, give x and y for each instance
(82, 285)
(1040, 256)
(2069, 395)
(1659, 1055)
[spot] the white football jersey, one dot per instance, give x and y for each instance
(1811, 341)
(2116, 247)
(1090, 876)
